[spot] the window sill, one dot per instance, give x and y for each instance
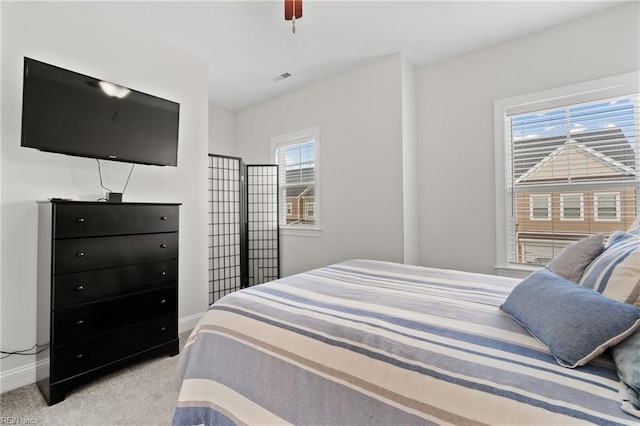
(516, 271)
(300, 232)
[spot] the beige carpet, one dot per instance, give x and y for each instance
(142, 394)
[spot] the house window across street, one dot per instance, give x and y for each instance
(311, 212)
(540, 207)
(606, 206)
(571, 207)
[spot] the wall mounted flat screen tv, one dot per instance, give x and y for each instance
(70, 113)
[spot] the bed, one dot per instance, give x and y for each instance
(370, 342)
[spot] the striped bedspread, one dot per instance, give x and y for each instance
(368, 342)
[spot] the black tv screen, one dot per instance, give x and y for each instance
(70, 113)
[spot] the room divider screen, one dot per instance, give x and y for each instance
(244, 242)
(264, 247)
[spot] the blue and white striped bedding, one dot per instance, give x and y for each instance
(368, 342)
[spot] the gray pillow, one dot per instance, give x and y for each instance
(571, 262)
(576, 323)
(627, 358)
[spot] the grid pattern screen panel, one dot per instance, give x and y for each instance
(264, 245)
(225, 196)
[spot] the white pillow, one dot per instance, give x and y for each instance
(616, 272)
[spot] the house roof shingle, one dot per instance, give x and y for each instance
(609, 142)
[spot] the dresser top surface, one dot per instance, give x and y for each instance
(106, 203)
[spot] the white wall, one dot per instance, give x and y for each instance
(455, 116)
(410, 191)
(222, 131)
(359, 117)
(73, 36)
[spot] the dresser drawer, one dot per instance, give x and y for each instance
(87, 220)
(84, 254)
(90, 319)
(83, 287)
(70, 360)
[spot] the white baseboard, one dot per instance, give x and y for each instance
(26, 374)
(189, 323)
(20, 376)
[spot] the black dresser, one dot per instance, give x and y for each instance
(107, 289)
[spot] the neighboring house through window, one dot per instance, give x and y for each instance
(567, 166)
(297, 157)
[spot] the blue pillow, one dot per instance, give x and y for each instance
(576, 323)
(627, 358)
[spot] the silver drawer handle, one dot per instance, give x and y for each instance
(80, 322)
(80, 220)
(163, 273)
(163, 301)
(163, 328)
(163, 218)
(79, 356)
(80, 254)
(79, 288)
(163, 246)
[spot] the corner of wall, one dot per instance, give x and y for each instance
(410, 164)
(222, 131)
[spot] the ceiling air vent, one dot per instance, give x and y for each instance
(281, 76)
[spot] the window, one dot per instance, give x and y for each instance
(568, 166)
(540, 207)
(571, 207)
(606, 206)
(311, 213)
(297, 157)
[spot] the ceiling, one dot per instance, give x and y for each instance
(246, 43)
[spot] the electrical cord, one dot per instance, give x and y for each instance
(7, 354)
(109, 190)
(128, 177)
(100, 174)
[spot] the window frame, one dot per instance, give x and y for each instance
(609, 87)
(295, 138)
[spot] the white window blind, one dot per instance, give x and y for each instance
(571, 171)
(297, 162)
